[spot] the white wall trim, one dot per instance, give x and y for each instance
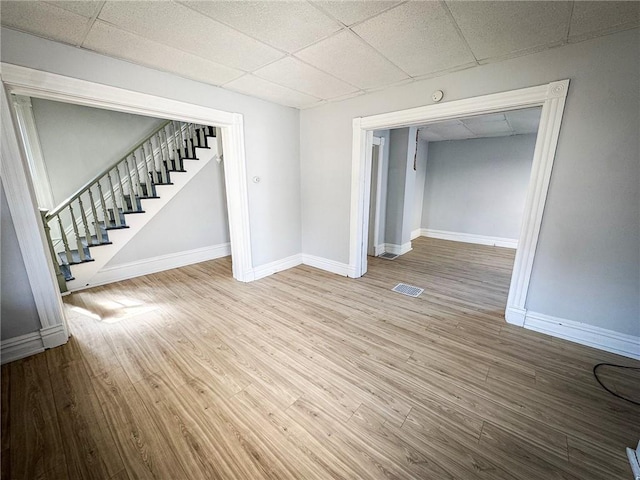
(469, 238)
(584, 334)
(418, 232)
(27, 221)
(550, 96)
(124, 271)
(277, 266)
(53, 336)
(397, 249)
(20, 347)
(35, 83)
(33, 151)
(327, 265)
(378, 250)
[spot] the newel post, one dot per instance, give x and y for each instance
(62, 284)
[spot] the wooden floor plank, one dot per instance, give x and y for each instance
(188, 373)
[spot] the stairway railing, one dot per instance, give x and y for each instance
(82, 219)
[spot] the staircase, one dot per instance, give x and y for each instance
(85, 231)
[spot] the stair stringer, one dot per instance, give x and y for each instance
(84, 273)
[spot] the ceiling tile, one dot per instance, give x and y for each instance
(419, 37)
(107, 39)
(346, 56)
(85, 8)
(288, 25)
(495, 29)
(350, 12)
(293, 73)
(44, 20)
(180, 27)
(596, 17)
(492, 128)
(525, 120)
(258, 87)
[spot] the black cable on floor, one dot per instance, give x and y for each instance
(595, 374)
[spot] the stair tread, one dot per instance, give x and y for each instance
(75, 257)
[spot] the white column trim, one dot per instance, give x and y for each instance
(550, 96)
(33, 150)
(27, 222)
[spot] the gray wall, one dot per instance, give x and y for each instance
(195, 218)
(18, 314)
(478, 186)
(587, 260)
(80, 142)
(272, 134)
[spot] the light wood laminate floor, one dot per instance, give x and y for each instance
(188, 374)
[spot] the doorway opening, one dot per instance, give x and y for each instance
(550, 97)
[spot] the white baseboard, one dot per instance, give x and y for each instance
(327, 265)
(20, 347)
(277, 266)
(416, 233)
(469, 238)
(397, 249)
(378, 249)
(584, 334)
(54, 336)
(515, 316)
(160, 263)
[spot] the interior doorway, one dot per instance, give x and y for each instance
(551, 97)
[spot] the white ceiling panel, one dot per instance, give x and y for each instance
(350, 12)
(182, 28)
(258, 87)
(109, 40)
(495, 29)
(295, 74)
(44, 20)
(593, 17)
(524, 121)
(346, 56)
(288, 25)
(452, 130)
(495, 129)
(85, 8)
(419, 37)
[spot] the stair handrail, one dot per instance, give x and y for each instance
(51, 214)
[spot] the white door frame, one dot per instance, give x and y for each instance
(379, 141)
(20, 191)
(551, 97)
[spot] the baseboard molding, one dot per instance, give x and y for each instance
(469, 238)
(160, 263)
(397, 249)
(277, 266)
(327, 265)
(584, 334)
(515, 316)
(378, 249)
(54, 336)
(416, 233)
(20, 347)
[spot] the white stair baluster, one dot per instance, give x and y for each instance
(85, 224)
(94, 214)
(65, 241)
(145, 169)
(79, 245)
(114, 203)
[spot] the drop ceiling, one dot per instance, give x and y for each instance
(513, 122)
(305, 53)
